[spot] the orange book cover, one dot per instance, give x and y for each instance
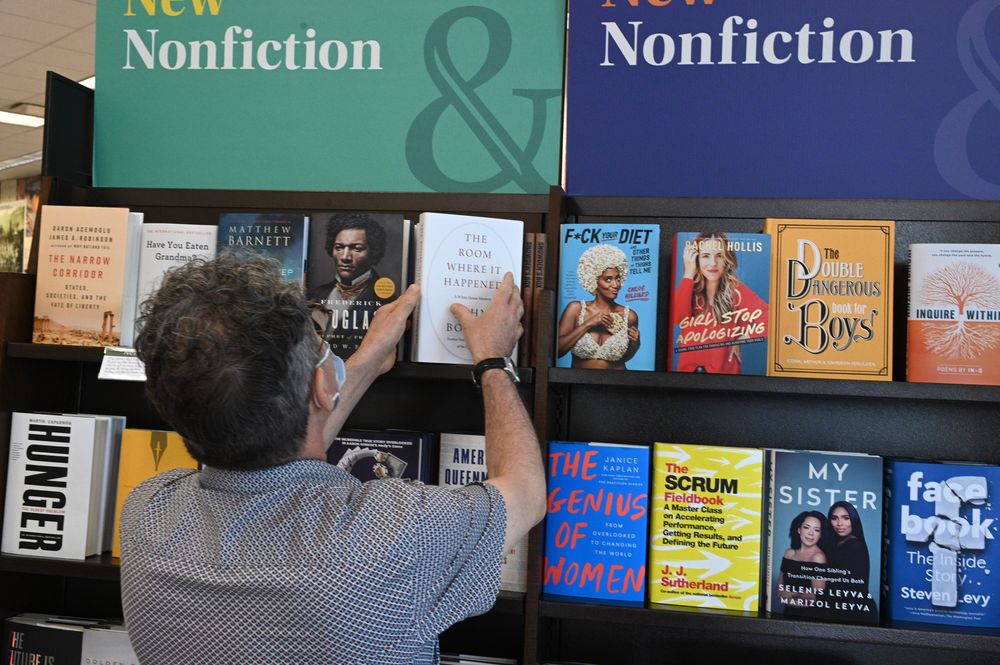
(831, 290)
(953, 323)
(146, 453)
(82, 257)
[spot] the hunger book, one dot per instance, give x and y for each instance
(719, 302)
(459, 259)
(831, 298)
(953, 324)
(705, 526)
(277, 235)
(607, 295)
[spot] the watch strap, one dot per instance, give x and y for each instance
(505, 364)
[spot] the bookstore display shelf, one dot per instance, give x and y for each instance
(715, 622)
(98, 567)
(777, 385)
(402, 370)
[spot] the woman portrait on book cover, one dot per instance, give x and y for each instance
(848, 560)
(717, 305)
(600, 334)
(801, 581)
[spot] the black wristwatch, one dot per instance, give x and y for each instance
(506, 364)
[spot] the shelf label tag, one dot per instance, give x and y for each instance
(121, 364)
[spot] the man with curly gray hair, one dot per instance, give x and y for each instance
(269, 553)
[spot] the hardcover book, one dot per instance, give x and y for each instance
(145, 453)
(44, 639)
(459, 259)
(463, 461)
(53, 497)
(597, 520)
(358, 261)
(705, 526)
(277, 235)
(719, 302)
(167, 245)
(953, 326)
(12, 234)
(85, 293)
(607, 295)
(377, 454)
(942, 553)
(825, 536)
(831, 298)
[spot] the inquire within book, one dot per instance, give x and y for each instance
(719, 302)
(597, 520)
(831, 298)
(358, 261)
(459, 259)
(705, 526)
(86, 287)
(277, 235)
(825, 535)
(942, 553)
(953, 326)
(463, 461)
(607, 296)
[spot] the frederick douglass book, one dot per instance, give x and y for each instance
(358, 261)
(825, 535)
(87, 258)
(459, 259)
(705, 526)
(378, 454)
(597, 520)
(942, 553)
(12, 232)
(831, 298)
(607, 295)
(164, 246)
(277, 235)
(462, 461)
(719, 296)
(53, 497)
(145, 453)
(953, 326)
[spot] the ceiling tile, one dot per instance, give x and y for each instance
(81, 40)
(30, 29)
(21, 86)
(11, 47)
(36, 70)
(58, 58)
(70, 13)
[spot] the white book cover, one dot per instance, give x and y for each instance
(50, 499)
(109, 474)
(130, 301)
(463, 461)
(460, 259)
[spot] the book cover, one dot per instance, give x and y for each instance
(462, 461)
(358, 262)
(705, 526)
(277, 235)
(12, 234)
(164, 246)
(942, 550)
(596, 522)
(953, 323)
(607, 295)
(831, 298)
(29, 639)
(82, 275)
(825, 536)
(109, 475)
(377, 454)
(51, 504)
(145, 453)
(459, 259)
(720, 285)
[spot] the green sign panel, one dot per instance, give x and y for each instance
(383, 95)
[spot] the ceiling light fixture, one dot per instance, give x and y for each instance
(22, 119)
(21, 161)
(88, 82)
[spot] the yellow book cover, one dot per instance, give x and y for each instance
(831, 298)
(146, 453)
(82, 270)
(705, 526)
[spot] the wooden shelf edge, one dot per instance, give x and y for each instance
(934, 636)
(99, 567)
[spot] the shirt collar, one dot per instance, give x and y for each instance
(275, 477)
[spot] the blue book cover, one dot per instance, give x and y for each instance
(607, 295)
(941, 544)
(825, 536)
(278, 235)
(719, 302)
(596, 523)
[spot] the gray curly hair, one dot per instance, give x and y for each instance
(595, 261)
